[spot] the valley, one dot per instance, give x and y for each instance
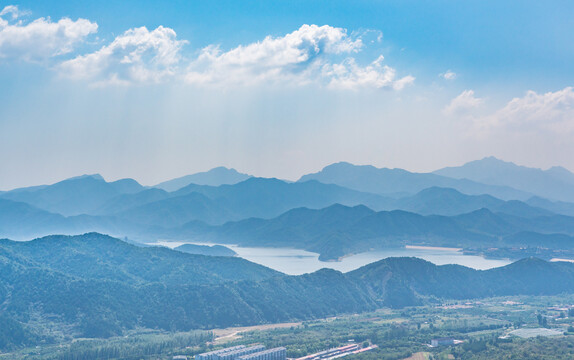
(483, 329)
(246, 255)
(286, 180)
(297, 262)
(325, 218)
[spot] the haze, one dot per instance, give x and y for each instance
(155, 92)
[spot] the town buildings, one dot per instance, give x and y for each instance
(241, 352)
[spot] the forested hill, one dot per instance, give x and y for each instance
(96, 286)
(418, 278)
(101, 257)
(338, 230)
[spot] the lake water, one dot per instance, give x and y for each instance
(297, 262)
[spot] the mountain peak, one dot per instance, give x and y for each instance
(87, 176)
(222, 169)
(347, 165)
(493, 159)
(554, 183)
(491, 162)
(439, 191)
(559, 170)
(341, 170)
(215, 177)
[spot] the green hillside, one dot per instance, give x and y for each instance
(92, 285)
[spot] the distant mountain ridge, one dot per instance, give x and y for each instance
(449, 202)
(125, 208)
(135, 214)
(254, 197)
(338, 230)
(559, 207)
(402, 183)
(214, 177)
(555, 183)
(154, 212)
(74, 196)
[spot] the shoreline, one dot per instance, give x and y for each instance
(439, 248)
(561, 260)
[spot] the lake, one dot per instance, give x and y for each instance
(297, 262)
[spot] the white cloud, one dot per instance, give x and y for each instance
(290, 57)
(138, 55)
(463, 103)
(41, 38)
(403, 82)
(11, 9)
(301, 57)
(349, 75)
(321, 55)
(312, 54)
(448, 75)
(552, 111)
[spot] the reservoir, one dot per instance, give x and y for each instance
(297, 262)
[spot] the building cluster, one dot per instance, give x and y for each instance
(279, 353)
(445, 341)
(337, 352)
(242, 352)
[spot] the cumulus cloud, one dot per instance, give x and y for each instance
(463, 103)
(138, 55)
(403, 82)
(551, 111)
(12, 10)
(42, 38)
(322, 55)
(448, 75)
(303, 56)
(290, 57)
(349, 75)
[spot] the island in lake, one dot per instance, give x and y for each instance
(215, 250)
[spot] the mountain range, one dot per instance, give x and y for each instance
(400, 183)
(555, 183)
(338, 230)
(59, 287)
(97, 286)
(340, 210)
(214, 177)
(75, 196)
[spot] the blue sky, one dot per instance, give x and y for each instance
(155, 90)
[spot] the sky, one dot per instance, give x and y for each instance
(154, 90)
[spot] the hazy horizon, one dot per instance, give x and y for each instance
(279, 90)
(403, 167)
(297, 177)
